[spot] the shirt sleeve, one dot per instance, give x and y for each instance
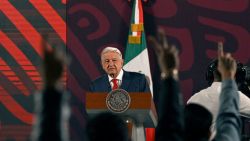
(244, 105)
(171, 112)
(228, 123)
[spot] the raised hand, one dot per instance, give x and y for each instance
(226, 63)
(167, 55)
(52, 65)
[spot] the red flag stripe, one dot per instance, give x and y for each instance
(140, 11)
(140, 15)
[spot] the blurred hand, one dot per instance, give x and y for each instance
(52, 65)
(168, 59)
(226, 64)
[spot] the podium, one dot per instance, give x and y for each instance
(141, 110)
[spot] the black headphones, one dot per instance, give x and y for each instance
(210, 71)
(241, 72)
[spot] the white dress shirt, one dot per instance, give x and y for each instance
(119, 78)
(209, 98)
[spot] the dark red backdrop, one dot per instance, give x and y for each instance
(194, 26)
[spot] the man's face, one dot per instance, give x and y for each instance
(112, 63)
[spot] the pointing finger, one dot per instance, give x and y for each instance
(220, 50)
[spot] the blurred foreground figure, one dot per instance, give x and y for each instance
(51, 104)
(170, 106)
(197, 123)
(107, 127)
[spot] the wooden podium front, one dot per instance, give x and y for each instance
(141, 111)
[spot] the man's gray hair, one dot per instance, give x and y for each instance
(111, 49)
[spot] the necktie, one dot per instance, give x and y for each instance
(115, 84)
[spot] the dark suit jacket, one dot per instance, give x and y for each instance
(50, 109)
(170, 113)
(131, 82)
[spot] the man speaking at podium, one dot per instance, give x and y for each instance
(116, 77)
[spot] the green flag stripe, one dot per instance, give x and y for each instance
(132, 50)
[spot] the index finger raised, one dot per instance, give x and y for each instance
(220, 50)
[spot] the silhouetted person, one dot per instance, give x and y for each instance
(51, 107)
(170, 125)
(197, 123)
(107, 127)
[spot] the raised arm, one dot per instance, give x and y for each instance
(51, 104)
(228, 122)
(170, 114)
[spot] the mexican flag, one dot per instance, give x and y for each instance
(136, 54)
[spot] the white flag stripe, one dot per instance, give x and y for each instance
(136, 17)
(140, 63)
